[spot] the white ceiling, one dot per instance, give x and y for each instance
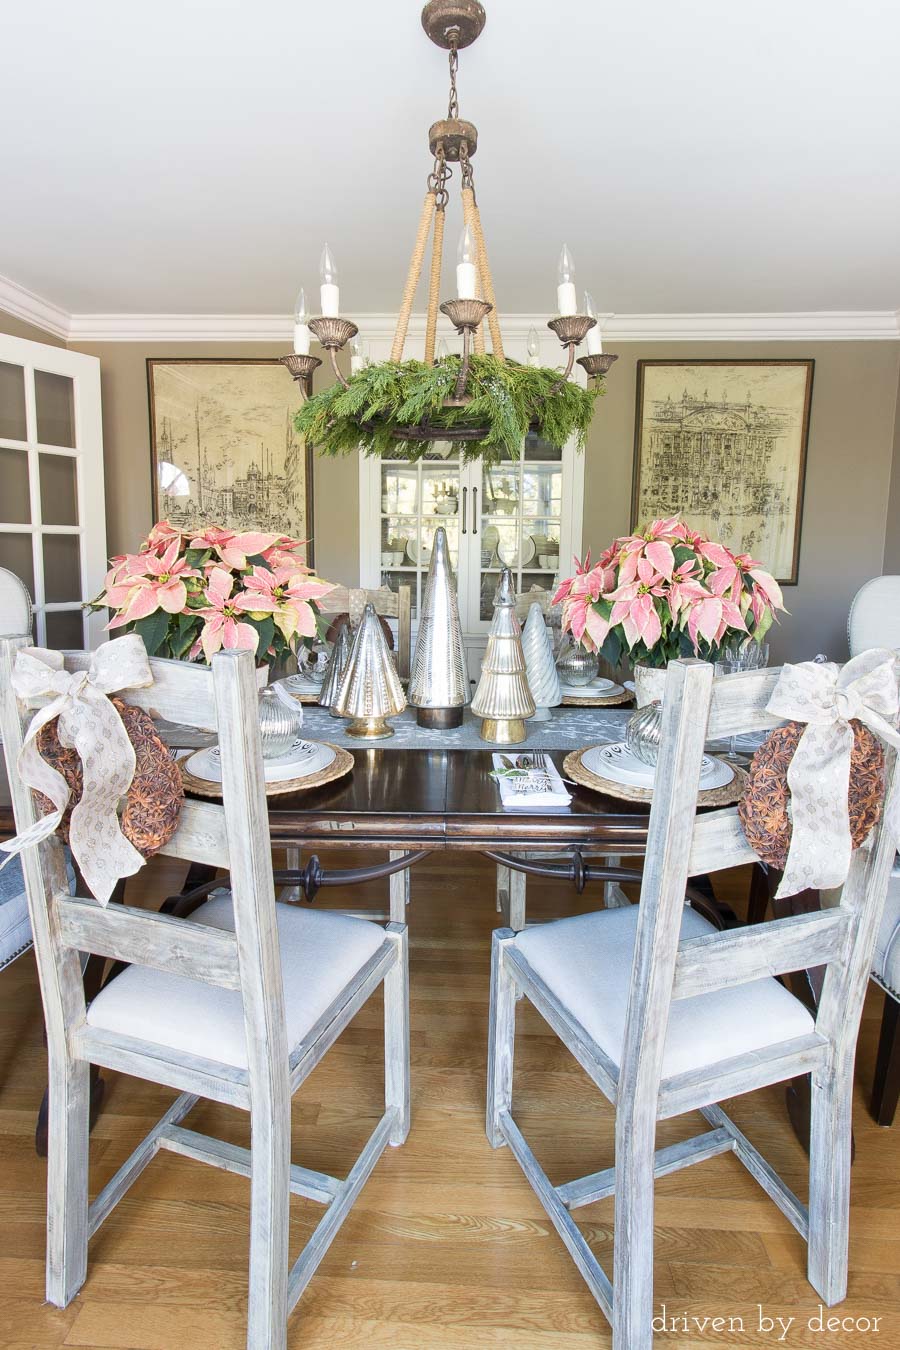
(697, 156)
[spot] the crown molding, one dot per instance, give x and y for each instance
(813, 326)
(30, 308)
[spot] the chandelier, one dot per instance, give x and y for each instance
(482, 398)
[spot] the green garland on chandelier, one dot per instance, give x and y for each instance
(506, 399)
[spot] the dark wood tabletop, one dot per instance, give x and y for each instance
(443, 799)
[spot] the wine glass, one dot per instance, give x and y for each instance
(735, 657)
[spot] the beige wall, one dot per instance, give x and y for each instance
(18, 328)
(851, 523)
(848, 475)
(892, 533)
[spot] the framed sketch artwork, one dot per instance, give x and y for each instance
(723, 444)
(224, 449)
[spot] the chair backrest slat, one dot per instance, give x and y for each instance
(722, 960)
(719, 842)
(143, 938)
(201, 835)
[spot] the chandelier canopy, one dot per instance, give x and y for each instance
(482, 399)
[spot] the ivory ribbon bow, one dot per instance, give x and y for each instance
(826, 696)
(89, 723)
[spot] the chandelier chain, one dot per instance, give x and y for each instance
(438, 179)
(453, 106)
(465, 168)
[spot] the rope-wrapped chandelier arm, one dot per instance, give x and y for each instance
(434, 280)
(484, 272)
(412, 277)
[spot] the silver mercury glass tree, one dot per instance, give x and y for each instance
(503, 699)
(439, 681)
(343, 645)
(370, 688)
(540, 666)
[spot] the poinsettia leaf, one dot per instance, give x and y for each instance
(265, 629)
(153, 630)
(196, 557)
(612, 648)
(257, 561)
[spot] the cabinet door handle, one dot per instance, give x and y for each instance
(474, 510)
(465, 493)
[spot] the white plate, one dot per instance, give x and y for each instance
(605, 686)
(605, 689)
(519, 557)
(300, 684)
(297, 763)
(618, 763)
(417, 555)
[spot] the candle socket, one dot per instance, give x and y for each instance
(301, 367)
(571, 327)
(333, 334)
(465, 314)
(597, 365)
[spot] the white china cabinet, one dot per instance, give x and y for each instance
(525, 514)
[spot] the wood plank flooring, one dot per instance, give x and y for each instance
(447, 1246)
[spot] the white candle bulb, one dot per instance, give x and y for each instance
(534, 347)
(359, 355)
(301, 330)
(329, 294)
(594, 345)
(566, 299)
(465, 266)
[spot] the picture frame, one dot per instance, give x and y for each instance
(223, 448)
(723, 443)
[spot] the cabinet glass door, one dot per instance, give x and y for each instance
(415, 500)
(520, 521)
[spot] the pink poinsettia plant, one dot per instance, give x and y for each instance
(189, 594)
(667, 592)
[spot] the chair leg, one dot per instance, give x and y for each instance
(886, 1088)
(632, 1319)
(399, 890)
(829, 1181)
(501, 1038)
(396, 1036)
(503, 891)
(67, 1179)
(270, 1161)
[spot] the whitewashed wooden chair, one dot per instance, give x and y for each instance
(237, 1004)
(668, 1015)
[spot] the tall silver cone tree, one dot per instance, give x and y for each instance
(439, 682)
(503, 699)
(540, 666)
(370, 688)
(343, 645)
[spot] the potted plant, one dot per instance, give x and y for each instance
(191, 593)
(665, 593)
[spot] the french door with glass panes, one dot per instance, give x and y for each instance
(524, 514)
(52, 517)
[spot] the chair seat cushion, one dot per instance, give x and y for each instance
(886, 961)
(15, 927)
(586, 963)
(320, 955)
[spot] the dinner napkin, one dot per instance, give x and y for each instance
(518, 794)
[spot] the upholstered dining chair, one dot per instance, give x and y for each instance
(15, 930)
(237, 1004)
(668, 1015)
(874, 621)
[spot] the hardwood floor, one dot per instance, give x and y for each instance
(447, 1247)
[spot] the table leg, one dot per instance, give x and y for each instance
(399, 890)
(293, 861)
(613, 895)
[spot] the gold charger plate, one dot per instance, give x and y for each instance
(601, 701)
(339, 767)
(726, 795)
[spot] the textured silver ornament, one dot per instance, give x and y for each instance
(643, 733)
(503, 699)
(439, 681)
(370, 688)
(339, 657)
(280, 720)
(540, 667)
(575, 665)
